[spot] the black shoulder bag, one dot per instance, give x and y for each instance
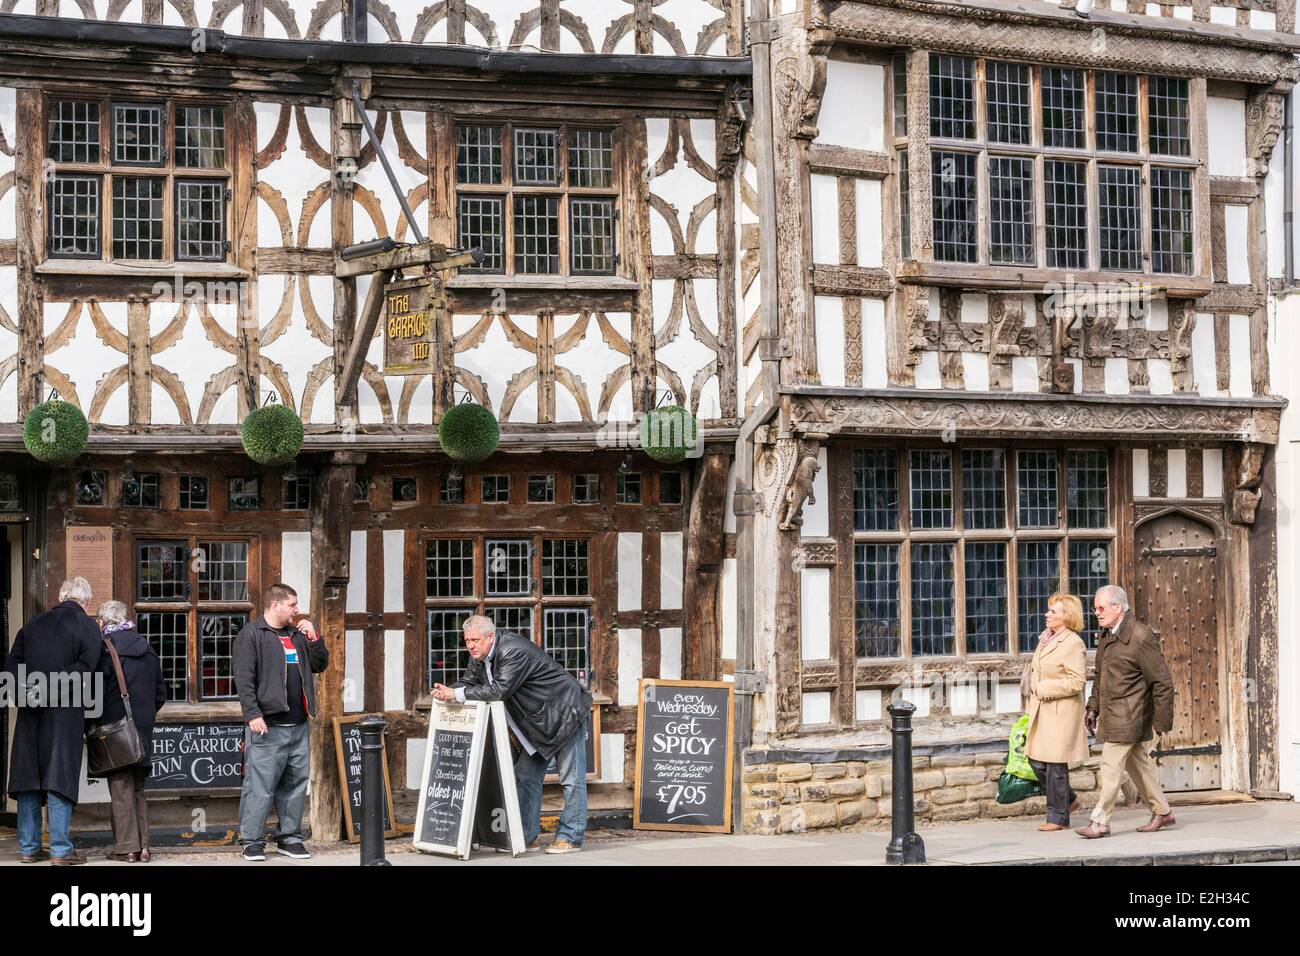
(115, 745)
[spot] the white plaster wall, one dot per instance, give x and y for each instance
(875, 373)
(394, 670)
(1116, 376)
(729, 609)
(394, 561)
(853, 108)
(867, 705)
(975, 371)
(870, 223)
(1212, 468)
(629, 570)
(1227, 123)
(828, 314)
(815, 613)
(1203, 369)
(1237, 243)
(1239, 385)
(824, 212)
(629, 665)
(1177, 486)
(816, 708)
(612, 757)
(295, 566)
(1024, 374)
(816, 514)
(670, 653)
(354, 671)
(1141, 473)
(670, 570)
(496, 360)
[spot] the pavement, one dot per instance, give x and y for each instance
(1235, 833)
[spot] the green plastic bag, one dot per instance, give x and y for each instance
(1012, 789)
(1017, 762)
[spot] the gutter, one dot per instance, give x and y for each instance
(15, 28)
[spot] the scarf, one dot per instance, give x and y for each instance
(119, 626)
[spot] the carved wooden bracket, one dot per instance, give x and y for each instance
(1264, 114)
(731, 130)
(1246, 476)
(800, 82)
(799, 488)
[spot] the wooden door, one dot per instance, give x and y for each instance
(1175, 595)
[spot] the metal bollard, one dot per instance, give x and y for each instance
(905, 846)
(372, 791)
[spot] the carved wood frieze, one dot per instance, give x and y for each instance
(899, 414)
(818, 554)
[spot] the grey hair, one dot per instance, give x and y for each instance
(112, 612)
(75, 589)
(484, 625)
(1114, 594)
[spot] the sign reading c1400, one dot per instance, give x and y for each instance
(412, 310)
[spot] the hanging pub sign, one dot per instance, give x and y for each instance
(411, 309)
(467, 788)
(683, 756)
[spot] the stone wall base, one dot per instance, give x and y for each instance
(795, 797)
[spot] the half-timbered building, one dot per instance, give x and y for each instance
(1026, 260)
(177, 180)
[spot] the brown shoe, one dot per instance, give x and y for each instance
(1093, 832)
(1050, 827)
(72, 859)
(37, 857)
(1158, 821)
(125, 857)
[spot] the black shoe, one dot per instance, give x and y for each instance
(72, 859)
(255, 853)
(295, 850)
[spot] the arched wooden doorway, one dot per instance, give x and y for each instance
(1176, 594)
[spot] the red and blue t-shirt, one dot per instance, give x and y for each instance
(297, 712)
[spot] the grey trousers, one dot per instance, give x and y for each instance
(130, 809)
(275, 771)
(1055, 778)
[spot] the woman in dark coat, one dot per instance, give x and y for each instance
(144, 682)
(45, 764)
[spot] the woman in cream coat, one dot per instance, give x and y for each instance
(1054, 684)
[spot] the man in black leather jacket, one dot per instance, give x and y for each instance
(546, 710)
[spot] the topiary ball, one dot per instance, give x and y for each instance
(272, 434)
(55, 432)
(669, 434)
(469, 432)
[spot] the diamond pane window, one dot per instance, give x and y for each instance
(168, 632)
(200, 220)
(591, 236)
(509, 566)
(1171, 220)
(137, 217)
(952, 96)
(931, 477)
(449, 568)
(1011, 210)
(1007, 87)
(138, 133)
(986, 597)
(223, 571)
(933, 631)
(1036, 489)
(952, 185)
(537, 157)
(448, 657)
(564, 567)
(1089, 562)
(566, 637)
(140, 491)
(875, 489)
(74, 216)
(1065, 189)
(481, 225)
(1064, 121)
(1117, 112)
(876, 622)
(904, 204)
(161, 571)
(216, 654)
(1121, 217)
(591, 158)
(478, 155)
(983, 488)
(1038, 575)
(1169, 111)
(537, 235)
(201, 137)
(73, 134)
(900, 94)
(1087, 487)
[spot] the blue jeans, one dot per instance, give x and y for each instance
(29, 823)
(530, 771)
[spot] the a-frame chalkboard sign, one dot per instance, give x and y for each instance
(467, 789)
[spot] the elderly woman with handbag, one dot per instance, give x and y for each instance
(134, 692)
(1054, 683)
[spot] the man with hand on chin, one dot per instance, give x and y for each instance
(274, 661)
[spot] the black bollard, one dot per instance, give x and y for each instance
(905, 845)
(372, 791)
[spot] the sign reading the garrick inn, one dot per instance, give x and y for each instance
(90, 555)
(410, 322)
(197, 757)
(683, 756)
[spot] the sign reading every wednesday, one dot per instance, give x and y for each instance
(410, 322)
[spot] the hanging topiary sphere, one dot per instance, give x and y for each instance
(55, 432)
(669, 434)
(469, 432)
(272, 434)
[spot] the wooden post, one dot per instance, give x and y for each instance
(704, 553)
(29, 215)
(330, 522)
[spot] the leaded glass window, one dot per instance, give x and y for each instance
(931, 480)
(986, 597)
(875, 600)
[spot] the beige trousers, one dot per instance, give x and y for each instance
(1136, 759)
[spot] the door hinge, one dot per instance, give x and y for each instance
(749, 683)
(1208, 750)
(1209, 551)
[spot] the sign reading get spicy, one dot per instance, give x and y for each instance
(409, 326)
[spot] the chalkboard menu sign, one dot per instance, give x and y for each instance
(347, 747)
(197, 757)
(683, 756)
(457, 808)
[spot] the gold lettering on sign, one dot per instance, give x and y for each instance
(412, 308)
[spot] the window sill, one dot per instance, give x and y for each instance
(218, 711)
(136, 270)
(466, 280)
(1025, 278)
(425, 703)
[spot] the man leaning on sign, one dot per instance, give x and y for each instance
(546, 710)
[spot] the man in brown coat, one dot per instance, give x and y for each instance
(1132, 697)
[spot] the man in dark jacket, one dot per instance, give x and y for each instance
(274, 663)
(51, 659)
(142, 671)
(546, 710)
(1132, 700)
